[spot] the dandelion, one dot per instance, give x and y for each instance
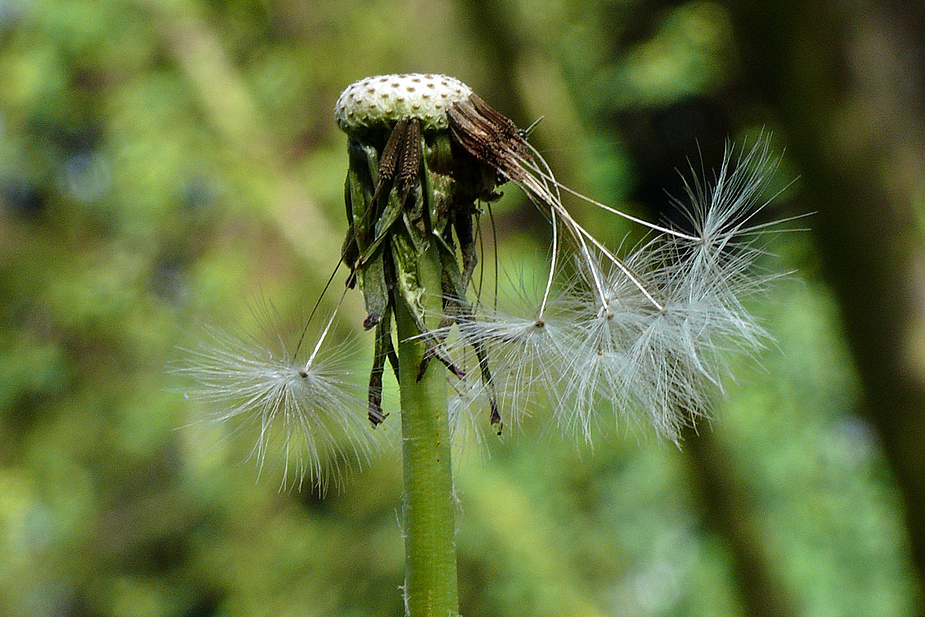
(640, 334)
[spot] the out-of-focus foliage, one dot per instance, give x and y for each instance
(164, 163)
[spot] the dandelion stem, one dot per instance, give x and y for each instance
(429, 506)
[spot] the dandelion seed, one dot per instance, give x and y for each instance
(525, 354)
(305, 413)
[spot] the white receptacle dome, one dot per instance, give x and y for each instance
(380, 101)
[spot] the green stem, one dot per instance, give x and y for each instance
(429, 506)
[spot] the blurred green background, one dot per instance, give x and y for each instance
(163, 164)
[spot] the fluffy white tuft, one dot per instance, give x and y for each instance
(657, 327)
(307, 417)
(646, 335)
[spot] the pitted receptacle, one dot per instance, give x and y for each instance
(378, 102)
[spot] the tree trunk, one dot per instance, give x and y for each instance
(835, 76)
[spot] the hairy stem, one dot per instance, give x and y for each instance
(429, 506)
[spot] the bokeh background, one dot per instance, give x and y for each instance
(165, 163)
